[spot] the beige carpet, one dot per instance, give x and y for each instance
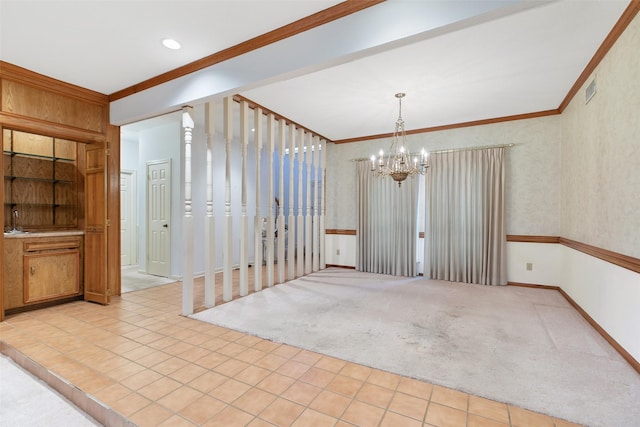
(523, 346)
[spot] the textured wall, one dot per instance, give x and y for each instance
(601, 154)
(532, 174)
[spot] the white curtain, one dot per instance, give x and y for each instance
(466, 209)
(387, 223)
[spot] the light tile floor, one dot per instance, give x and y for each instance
(142, 362)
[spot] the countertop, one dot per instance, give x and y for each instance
(29, 234)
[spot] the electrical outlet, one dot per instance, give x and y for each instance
(529, 266)
(337, 251)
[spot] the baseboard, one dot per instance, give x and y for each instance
(624, 353)
(341, 266)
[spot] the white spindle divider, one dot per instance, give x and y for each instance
(257, 226)
(323, 167)
(209, 221)
(300, 219)
(244, 219)
(291, 232)
(281, 233)
(316, 219)
(187, 222)
(270, 218)
(308, 220)
(227, 285)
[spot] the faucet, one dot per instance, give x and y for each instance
(14, 219)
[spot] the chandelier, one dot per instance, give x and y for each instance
(399, 163)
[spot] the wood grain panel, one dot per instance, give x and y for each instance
(51, 245)
(38, 103)
(6, 140)
(51, 275)
(342, 232)
(32, 167)
(532, 239)
(31, 143)
(12, 274)
(113, 211)
(30, 124)
(96, 271)
(65, 149)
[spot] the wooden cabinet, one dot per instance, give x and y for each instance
(42, 267)
(40, 181)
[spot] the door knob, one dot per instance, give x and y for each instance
(165, 225)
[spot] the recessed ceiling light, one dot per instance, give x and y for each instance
(171, 44)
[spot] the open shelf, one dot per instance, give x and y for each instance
(40, 180)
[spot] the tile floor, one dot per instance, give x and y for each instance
(138, 361)
(135, 280)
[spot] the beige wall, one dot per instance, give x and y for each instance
(601, 154)
(532, 174)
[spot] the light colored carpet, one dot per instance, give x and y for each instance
(27, 401)
(522, 346)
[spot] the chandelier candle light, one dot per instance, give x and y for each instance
(399, 164)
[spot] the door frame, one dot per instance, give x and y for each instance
(148, 212)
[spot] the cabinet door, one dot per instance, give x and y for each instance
(95, 237)
(51, 275)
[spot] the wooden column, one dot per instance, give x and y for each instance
(187, 228)
(291, 238)
(300, 223)
(323, 168)
(308, 219)
(227, 284)
(209, 224)
(244, 219)
(281, 232)
(257, 226)
(316, 219)
(271, 127)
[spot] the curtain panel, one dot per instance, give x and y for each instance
(467, 222)
(387, 223)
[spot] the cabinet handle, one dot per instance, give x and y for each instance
(32, 270)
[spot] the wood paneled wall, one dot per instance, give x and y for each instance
(35, 103)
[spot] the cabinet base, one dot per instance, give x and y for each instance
(30, 307)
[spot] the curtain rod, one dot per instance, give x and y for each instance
(452, 150)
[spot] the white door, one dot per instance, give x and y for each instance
(159, 218)
(128, 235)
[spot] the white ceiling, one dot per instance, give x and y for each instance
(458, 61)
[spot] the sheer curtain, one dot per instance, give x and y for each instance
(387, 223)
(467, 223)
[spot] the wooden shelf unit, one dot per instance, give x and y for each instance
(40, 181)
